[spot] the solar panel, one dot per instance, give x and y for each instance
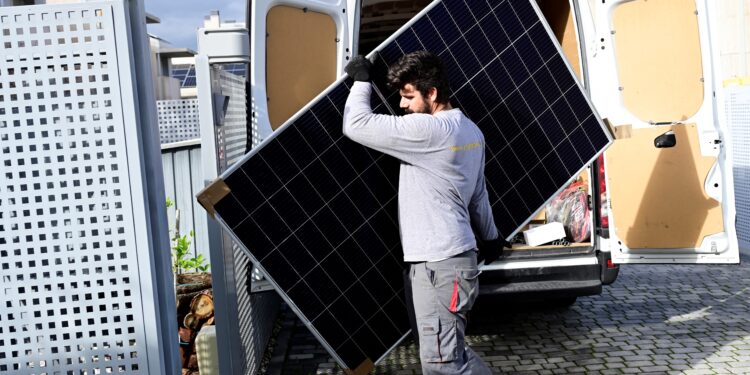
(189, 80)
(238, 69)
(319, 212)
(180, 70)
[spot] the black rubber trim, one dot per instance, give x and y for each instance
(535, 282)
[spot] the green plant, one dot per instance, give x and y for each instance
(196, 263)
(181, 249)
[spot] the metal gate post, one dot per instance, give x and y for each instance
(222, 100)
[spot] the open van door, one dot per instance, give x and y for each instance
(298, 48)
(669, 187)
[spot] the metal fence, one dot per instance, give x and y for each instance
(182, 181)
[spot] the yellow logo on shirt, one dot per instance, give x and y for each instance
(466, 147)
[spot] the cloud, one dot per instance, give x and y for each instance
(181, 18)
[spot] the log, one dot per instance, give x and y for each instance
(202, 305)
(195, 308)
(184, 300)
(190, 288)
(193, 362)
(192, 322)
(183, 306)
(194, 278)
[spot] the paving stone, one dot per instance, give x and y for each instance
(667, 319)
(655, 369)
(528, 367)
(679, 368)
(631, 370)
(505, 363)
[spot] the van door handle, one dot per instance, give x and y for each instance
(665, 140)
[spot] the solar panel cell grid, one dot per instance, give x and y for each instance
(319, 212)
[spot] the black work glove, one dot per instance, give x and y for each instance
(359, 68)
(490, 250)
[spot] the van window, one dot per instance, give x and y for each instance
(658, 53)
(300, 59)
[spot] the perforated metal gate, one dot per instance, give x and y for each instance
(737, 103)
(178, 120)
(76, 286)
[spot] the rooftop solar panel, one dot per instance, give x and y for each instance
(238, 69)
(319, 212)
(181, 71)
(189, 81)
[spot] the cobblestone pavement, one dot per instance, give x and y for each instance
(661, 319)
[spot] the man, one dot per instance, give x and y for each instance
(442, 195)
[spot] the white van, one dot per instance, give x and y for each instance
(663, 193)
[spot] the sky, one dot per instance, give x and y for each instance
(181, 18)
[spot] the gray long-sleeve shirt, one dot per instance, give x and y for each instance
(441, 183)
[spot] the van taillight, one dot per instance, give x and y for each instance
(603, 209)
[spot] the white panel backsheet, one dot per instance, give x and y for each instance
(70, 288)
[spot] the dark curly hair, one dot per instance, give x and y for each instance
(422, 69)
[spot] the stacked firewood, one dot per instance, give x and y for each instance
(195, 308)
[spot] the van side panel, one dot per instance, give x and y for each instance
(658, 52)
(657, 194)
(300, 59)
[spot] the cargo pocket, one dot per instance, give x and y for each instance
(457, 288)
(437, 339)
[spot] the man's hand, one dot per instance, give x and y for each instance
(490, 250)
(359, 68)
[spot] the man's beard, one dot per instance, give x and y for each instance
(426, 109)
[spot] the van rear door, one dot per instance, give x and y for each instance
(668, 175)
(298, 48)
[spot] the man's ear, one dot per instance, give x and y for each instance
(432, 94)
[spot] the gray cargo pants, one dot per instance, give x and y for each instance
(443, 292)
